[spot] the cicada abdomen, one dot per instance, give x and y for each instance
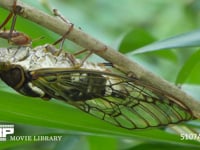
(120, 100)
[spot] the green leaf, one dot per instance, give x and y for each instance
(137, 38)
(100, 143)
(73, 143)
(26, 143)
(134, 39)
(158, 146)
(189, 66)
(190, 39)
(20, 109)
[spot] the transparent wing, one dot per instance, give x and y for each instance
(122, 101)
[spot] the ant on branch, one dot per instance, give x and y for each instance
(14, 37)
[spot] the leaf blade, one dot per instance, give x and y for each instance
(190, 39)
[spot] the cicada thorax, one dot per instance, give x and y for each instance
(14, 76)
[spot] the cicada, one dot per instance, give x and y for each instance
(93, 88)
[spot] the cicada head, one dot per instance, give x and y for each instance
(10, 71)
(17, 78)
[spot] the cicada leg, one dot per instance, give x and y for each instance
(7, 35)
(6, 20)
(62, 39)
(14, 37)
(90, 52)
(56, 13)
(56, 52)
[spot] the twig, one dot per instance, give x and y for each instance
(83, 39)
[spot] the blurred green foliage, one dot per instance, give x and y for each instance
(126, 25)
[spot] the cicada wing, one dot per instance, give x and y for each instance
(115, 99)
(136, 115)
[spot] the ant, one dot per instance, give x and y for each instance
(14, 37)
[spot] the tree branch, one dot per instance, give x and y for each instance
(83, 39)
